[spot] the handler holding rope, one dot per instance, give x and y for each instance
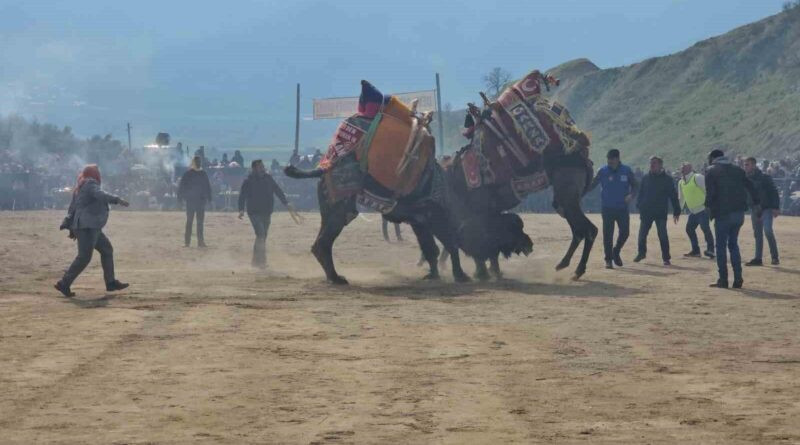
(256, 195)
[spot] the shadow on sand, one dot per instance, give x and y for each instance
(786, 270)
(753, 293)
(435, 290)
(91, 304)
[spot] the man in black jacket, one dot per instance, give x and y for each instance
(771, 206)
(256, 196)
(195, 189)
(655, 192)
(727, 188)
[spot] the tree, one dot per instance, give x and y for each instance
(790, 5)
(496, 81)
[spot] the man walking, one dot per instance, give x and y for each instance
(692, 195)
(771, 205)
(656, 192)
(195, 190)
(727, 187)
(618, 189)
(256, 196)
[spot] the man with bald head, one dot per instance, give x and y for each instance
(692, 196)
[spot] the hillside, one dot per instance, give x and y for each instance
(739, 91)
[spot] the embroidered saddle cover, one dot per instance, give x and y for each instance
(518, 128)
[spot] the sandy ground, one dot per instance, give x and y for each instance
(203, 349)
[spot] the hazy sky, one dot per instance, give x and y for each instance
(225, 74)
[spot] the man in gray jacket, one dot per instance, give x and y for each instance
(88, 214)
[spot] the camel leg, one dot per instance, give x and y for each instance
(444, 233)
(443, 257)
(568, 189)
(573, 245)
(590, 233)
(495, 266)
(430, 251)
(481, 273)
(334, 219)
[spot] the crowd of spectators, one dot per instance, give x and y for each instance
(148, 179)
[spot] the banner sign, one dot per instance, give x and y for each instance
(341, 107)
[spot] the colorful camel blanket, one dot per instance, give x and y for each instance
(346, 140)
(514, 133)
(536, 122)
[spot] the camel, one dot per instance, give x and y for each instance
(424, 204)
(569, 172)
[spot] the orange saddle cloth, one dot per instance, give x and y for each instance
(392, 159)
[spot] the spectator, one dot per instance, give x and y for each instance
(692, 195)
(656, 192)
(238, 158)
(727, 187)
(256, 196)
(195, 190)
(618, 189)
(88, 214)
(770, 204)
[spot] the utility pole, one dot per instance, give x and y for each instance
(129, 137)
(297, 124)
(441, 116)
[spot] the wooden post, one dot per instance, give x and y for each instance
(441, 115)
(297, 124)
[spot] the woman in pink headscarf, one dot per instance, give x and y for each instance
(88, 214)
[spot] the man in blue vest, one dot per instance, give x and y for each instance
(618, 190)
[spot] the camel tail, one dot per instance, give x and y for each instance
(294, 172)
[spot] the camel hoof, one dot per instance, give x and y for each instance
(431, 277)
(482, 276)
(338, 280)
(462, 278)
(561, 266)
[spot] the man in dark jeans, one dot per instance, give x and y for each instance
(619, 188)
(727, 187)
(771, 205)
(256, 196)
(656, 192)
(195, 189)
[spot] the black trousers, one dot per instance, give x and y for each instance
(261, 228)
(663, 238)
(622, 219)
(699, 219)
(194, 209)
(90, 240)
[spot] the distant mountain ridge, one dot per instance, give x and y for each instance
(739, 91)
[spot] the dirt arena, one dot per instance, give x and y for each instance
(203, 349)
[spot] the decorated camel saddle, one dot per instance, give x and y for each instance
(512, 135)
(386, 144)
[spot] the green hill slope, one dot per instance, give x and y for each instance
(739, 92)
